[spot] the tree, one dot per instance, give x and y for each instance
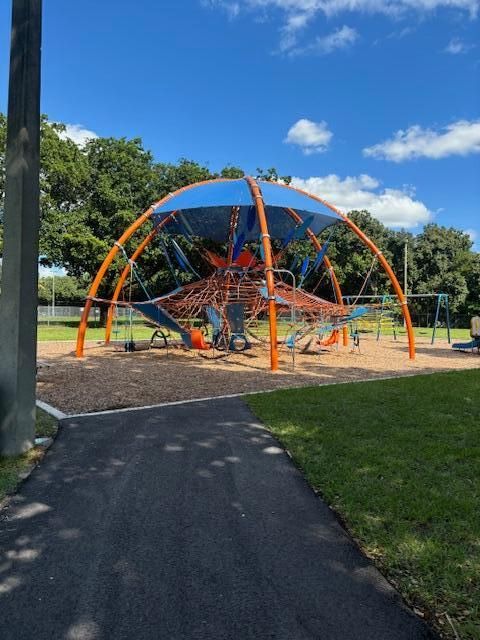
(272, 175)
(443, 258)
(232, 172)
(68, 291)
(396, 246)
(472, 277)
(64, 177)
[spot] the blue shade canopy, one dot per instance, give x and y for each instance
(227, 193)
(207, 209)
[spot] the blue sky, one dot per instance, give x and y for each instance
(369, 103)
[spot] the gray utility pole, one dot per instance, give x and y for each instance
(405, 268)
(18, 300)
(53, 294)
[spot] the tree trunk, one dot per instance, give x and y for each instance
(103, 315)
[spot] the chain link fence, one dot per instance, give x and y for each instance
(71, 315)
(59, 314)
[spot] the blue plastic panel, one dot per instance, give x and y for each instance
(206, 209)
(279, 195)
(162, 318)
(211, 194)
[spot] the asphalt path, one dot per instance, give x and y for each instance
(185, 522)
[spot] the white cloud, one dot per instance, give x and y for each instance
(456, 46)
(342, 38)
(472, 233)
(230, 6)
(459, 138)
(332, 7)
(311, 137)
(295, 22)
(393, 207)
(47, 272)
(78, 134)
(296, 14)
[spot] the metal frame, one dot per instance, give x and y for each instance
(441, 297)
(269, 266)
(383, 261)
(293, 310)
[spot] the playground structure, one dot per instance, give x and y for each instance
(248, 284)
(384, 311)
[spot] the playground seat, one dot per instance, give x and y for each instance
(329, 340)
(290, 341)
(198, 340)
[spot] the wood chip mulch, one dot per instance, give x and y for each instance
(109, 379)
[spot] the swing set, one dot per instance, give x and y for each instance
(245, 296)
(384, 312)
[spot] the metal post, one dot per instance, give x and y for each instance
(405, 269)
(379, 321)
(447, 313)
(18, 302)
(293, 311)
(437, 313)
(53, 294)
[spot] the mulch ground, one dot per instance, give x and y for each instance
(109, 379)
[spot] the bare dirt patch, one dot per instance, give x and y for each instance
(106, 379)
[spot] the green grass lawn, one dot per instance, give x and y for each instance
(11, 468)
(399, 461)
(423, 332)
(67, 330)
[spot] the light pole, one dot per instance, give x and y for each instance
(405, 268)
(18, 301)
(53, 294)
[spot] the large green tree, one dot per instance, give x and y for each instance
(67, 290)
(472, 277)
(121, 183)
(443, 259)
(64, 177)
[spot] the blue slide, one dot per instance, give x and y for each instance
(162, 318)
(474, 344)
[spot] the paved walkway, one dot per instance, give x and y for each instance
(186, 522)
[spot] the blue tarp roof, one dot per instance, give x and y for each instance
(207, 207)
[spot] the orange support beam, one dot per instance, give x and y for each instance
(267, 250)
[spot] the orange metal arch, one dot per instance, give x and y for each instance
(381, 258)
(267, 250)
